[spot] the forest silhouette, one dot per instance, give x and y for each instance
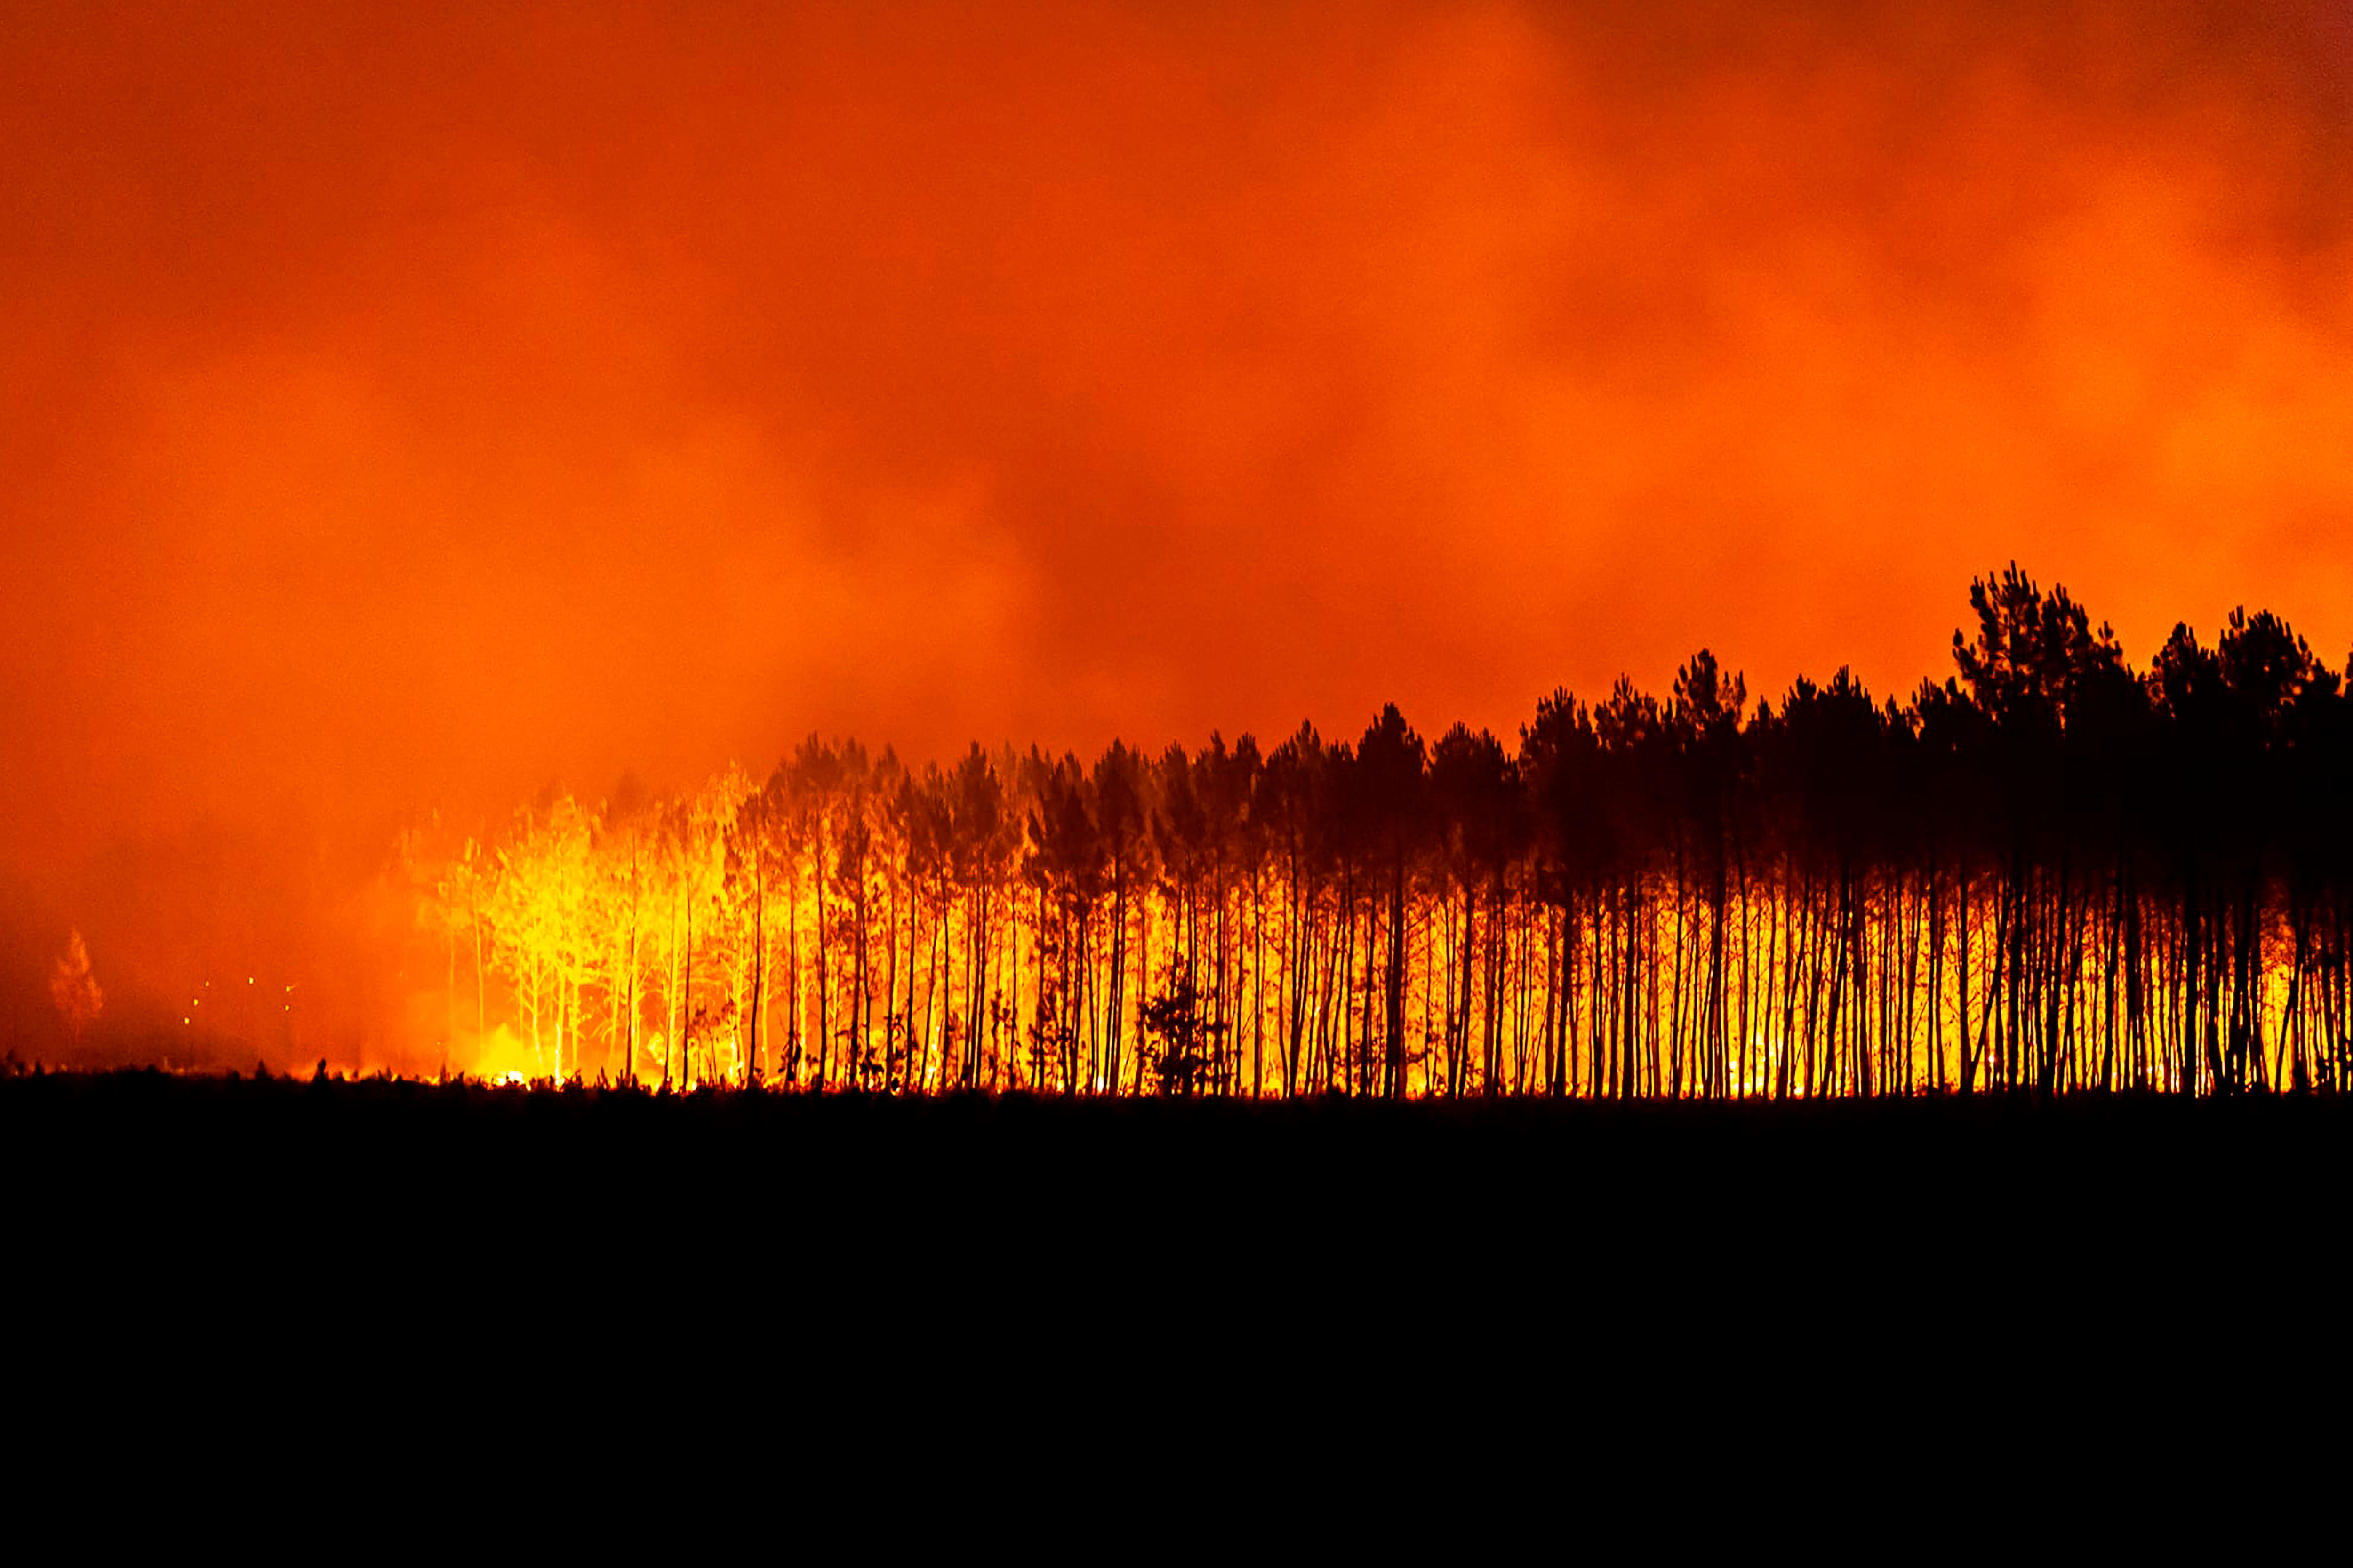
(2052, 870)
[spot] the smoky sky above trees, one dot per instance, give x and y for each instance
(413, 404)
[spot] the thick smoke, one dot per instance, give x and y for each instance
(407, 408)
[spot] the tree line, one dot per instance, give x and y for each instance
(2052, 870)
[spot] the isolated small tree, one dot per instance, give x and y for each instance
(1181, 1064)
(71, 987)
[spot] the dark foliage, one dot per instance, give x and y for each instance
(2050, 872)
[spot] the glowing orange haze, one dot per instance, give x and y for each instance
(416, 407)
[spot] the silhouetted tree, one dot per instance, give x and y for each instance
(2047, 871)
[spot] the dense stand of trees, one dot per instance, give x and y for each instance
(2051, 872)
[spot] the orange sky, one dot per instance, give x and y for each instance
(406, 403)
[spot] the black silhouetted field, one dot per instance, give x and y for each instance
(766, 1211)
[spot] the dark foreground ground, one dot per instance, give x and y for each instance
(441, 1196)
(392, 1256)
(392, 1285)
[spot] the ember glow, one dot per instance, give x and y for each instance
(409, 406)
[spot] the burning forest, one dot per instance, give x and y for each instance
(2053, 870)
(1037, 659)
(409, 406)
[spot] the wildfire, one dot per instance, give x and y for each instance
(1678, 898)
